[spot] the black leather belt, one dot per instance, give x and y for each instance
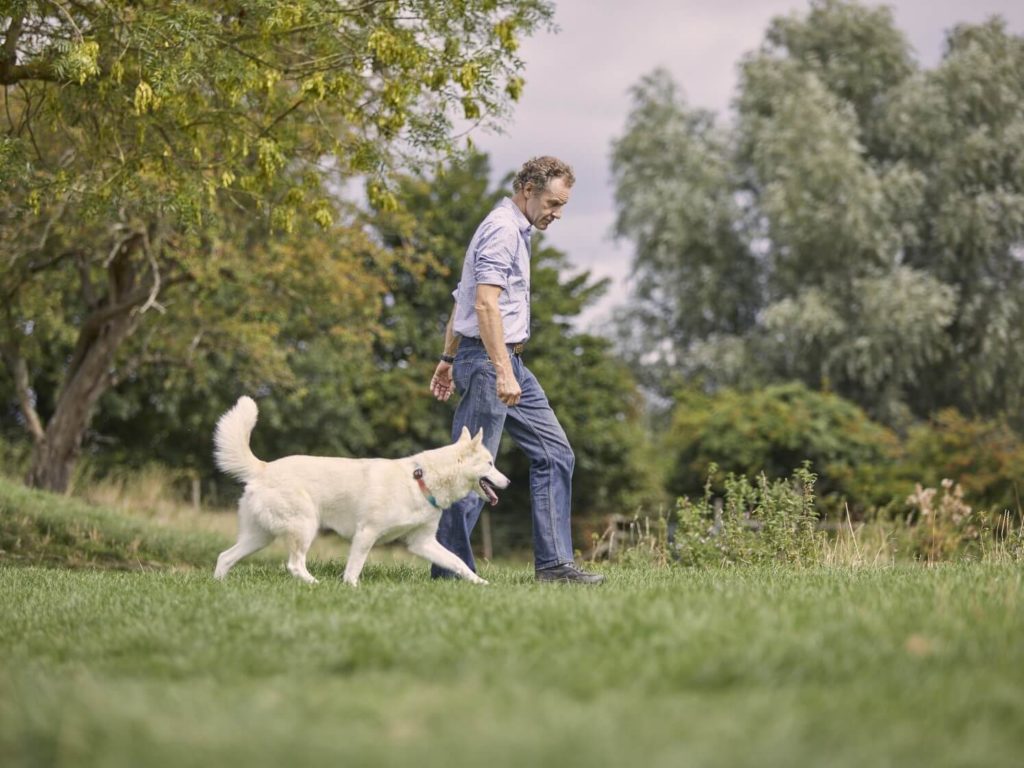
(516, 349)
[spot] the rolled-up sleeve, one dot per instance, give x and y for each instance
(495, 255)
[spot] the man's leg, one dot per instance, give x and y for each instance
(535, 429)
(478, 409)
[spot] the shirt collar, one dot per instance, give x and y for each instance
(524, 225)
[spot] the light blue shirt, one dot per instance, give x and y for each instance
(499, 254)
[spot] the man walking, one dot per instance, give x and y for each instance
(484, 341)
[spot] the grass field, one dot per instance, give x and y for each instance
(162, 666)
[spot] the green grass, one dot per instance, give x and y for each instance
(907, 666)
(117, 648)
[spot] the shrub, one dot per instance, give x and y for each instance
(772, 430)
(984, 458)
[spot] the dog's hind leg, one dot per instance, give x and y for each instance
(362, 543)
(428, 547)
(250, 539)
(299, 542)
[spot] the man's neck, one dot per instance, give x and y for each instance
(519, 198)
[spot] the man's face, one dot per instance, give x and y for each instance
(545, 205)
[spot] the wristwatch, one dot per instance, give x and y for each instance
(447, 359)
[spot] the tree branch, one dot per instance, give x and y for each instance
(88, 291)
(19, 369)
(11, 74)
(22, 385)
(148, 248)
(11, 40)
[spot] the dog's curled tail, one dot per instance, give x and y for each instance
(231, 440)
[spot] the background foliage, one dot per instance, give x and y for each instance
(833, 274)
(356, 337)
(151, 151)
(858, 225)
(773, 431)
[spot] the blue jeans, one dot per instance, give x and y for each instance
(534, 428)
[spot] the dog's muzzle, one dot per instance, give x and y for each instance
(490, 490)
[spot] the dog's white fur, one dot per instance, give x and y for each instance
(364, 500)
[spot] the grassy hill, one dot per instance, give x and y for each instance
(38, 528)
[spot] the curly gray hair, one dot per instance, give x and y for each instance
(538, 171)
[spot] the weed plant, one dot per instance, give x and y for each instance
(752, 524)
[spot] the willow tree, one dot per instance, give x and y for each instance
(858, 227)
(137, 136)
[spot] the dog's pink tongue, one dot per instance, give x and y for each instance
(492, 497)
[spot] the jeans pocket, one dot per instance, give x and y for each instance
(466, 367)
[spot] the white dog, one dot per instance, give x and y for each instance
(365, 500)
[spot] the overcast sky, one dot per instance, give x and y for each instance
(577, 92)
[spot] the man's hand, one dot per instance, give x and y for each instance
(509, 390)
(441, 382)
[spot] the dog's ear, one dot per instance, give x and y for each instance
(479, 439)
(464, 436)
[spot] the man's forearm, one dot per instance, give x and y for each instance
(451, 339)
(492, 334)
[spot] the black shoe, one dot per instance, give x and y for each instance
(568, 572)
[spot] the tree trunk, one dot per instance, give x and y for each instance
(90, 369)
(54, 457)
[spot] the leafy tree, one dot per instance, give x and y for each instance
(854, 50)
(870, 219)
(694, 274)
(874, 348)
(958, 129)
(132, 129)
(300, 338)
